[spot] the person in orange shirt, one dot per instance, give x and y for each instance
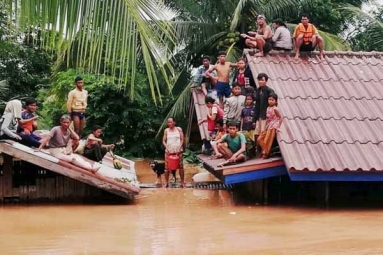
(76, 105)
(306, 37)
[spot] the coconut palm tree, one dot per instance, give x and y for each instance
(98, 36)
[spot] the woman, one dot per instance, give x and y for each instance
(244, 78)
(9, 124)
(94, 149)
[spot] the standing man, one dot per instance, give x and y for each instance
(76, 105)
(262, 39)
(207, 83)
(262, 95)
(173, 141)
(223, 72)
(306, 37)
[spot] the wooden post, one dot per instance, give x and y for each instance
(7, 176)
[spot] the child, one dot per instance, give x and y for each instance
(220, 131)
(28, 124)
(236, 146)
(248, 123)
(273, 123)
(233, 106)
(214, 112)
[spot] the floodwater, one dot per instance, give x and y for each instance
(187, 221)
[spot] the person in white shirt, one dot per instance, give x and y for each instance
(282, 37)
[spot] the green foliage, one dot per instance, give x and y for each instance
(110, 107)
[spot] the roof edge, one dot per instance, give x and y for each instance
(342, 53)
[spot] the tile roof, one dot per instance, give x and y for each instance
(332, 109)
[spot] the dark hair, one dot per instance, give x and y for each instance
(232, 123)
(250, 95)
(30, 101)
(209, 100)
(279, 22)
(261, 76)
(235, 84)
(222, 53)
(242, 59)
(96, 127)
(78, 78)
(305, 15)
(205, 57)
(275, 96)
(219, 122)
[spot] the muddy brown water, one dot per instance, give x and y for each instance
(187, 221)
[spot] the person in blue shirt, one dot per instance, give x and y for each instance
(200, 79)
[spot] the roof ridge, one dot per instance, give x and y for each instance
(327, 53)
(333, 97)
(306, 141)
(321, 79)
(332, 118)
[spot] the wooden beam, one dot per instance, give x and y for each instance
(7, 176)
(249, 168)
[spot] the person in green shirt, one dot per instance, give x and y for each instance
(236, 146)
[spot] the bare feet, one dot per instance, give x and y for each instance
(321, 55)
(296, 56)
(183, 185)
(217, 156)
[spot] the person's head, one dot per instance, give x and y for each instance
(261, 19)
(206, 61)
(249, 100)
(262, 79)
(273, 100)
(278, 23)
(233, 128)
(97, 131)
(65, 121)
(219, 124)
(171, 122)
(31, 105)
(222, 57)
(241, 63)
(14, 107)
(236, 89)
(305, 19)
(209, 101)
(79, 82)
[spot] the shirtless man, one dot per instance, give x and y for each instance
(262, 39)
(223, 72)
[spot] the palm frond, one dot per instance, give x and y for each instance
(109, 34)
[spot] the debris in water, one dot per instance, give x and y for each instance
(233, 213)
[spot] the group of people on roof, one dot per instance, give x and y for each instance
(19, 123)
(305, 37)
(243, 117)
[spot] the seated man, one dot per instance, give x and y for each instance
(282, 36)
(306, 37)
(236, 146)
(262, 39)
(94, 149)
(200, 79)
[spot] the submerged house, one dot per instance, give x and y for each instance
(28, 176)
(332, 122)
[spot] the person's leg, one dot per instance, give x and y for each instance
(224, 151)
(268, 142)
(261, 141)
(82, 125)
(203, 87)
(166, 171)
(29, 141)
(260, 45)
(240, 158)
(182, 172)
(76, 123)
(90, 153)
(98, 152)
(298, 44)
(251, 43)
(318, 41)
(79, 161)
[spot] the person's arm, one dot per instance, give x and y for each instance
(181, 139)
(43, 142)
(226, 109)
(93, 138)
(7, 119)
(164, 139)
(276, 35)
(315, 30)
(268, 33)
(70, 101)
(73, 134)
(278, 114)
(233, 64)
(213, 78)
(242, 119)
(198, 75)
(23, 121)
(86, 100)
(213, 114)
(209, 71)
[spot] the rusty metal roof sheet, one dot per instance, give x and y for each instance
(332, 109)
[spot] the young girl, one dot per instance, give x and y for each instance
(244, 78)
(94, 148)
(248, 124)
(273, 123)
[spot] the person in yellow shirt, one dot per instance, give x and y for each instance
(306, 37)
(76, 105)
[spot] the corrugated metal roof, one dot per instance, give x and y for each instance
(201, 111)
(332, 109)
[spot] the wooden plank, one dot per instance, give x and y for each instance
(122, 189)
(242, 169)
(7, 175)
